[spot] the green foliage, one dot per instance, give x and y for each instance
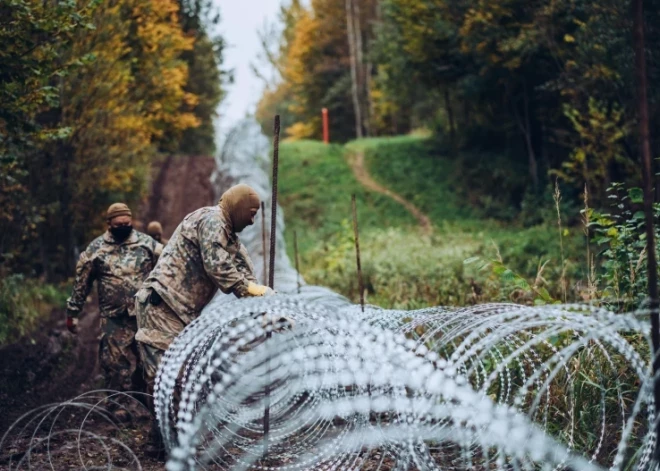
(403, 268)
(620, 233)
(205, 75)
(600, 133)
(515, 90)
(515, 285)
(30, 69)
(23, 305)
(89, 92)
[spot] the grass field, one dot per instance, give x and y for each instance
(403, 268)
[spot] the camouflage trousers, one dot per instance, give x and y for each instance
(118, 354)
(158, 325)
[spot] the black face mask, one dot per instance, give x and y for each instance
(120, 233)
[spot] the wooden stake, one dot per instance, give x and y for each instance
(357, 251)
(271, 271)
(263, 241)
(295, 253)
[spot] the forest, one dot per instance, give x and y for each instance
(500, 159)
(91, 94)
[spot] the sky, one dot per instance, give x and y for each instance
(240, 21)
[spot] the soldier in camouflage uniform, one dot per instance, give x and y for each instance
(203, 255)
(155, 230)
(119, 261)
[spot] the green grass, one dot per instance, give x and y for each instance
(411, 167)
(403, 268)
(315, 189)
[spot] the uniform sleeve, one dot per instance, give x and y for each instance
(244, 264)
(85, 276)
(217, 261)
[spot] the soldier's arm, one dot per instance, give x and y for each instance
(83, 284)
(217, 261)
(244, 264)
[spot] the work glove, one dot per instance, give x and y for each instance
(277, 323)
(72, 324)
(259, 290)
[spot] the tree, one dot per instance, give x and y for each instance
(92, 91)
(314, 60)
(206, 76)
(31, 38)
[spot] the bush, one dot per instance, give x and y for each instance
(23, 304)
(620, 236)
(401, 269)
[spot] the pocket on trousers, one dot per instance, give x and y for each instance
(142, 295)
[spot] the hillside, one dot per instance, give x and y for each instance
(403, 266)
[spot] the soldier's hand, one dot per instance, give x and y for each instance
(72, 324)
(259, 290)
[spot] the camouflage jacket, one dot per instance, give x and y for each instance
(119, 269)
(202, 255)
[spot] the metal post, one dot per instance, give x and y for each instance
(263, 241)
(295, 253)
(357, 252)
(271, 271)
(273, 202)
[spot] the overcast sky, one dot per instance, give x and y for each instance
(240, 21)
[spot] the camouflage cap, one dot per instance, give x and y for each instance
(154, 228)
(118, 209)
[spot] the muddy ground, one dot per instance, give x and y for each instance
(52, 365)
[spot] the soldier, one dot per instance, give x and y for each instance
(155, 230)
(119, 261)
(203, 255)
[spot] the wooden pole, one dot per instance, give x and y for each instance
(295, 254)
(271, 271)
(647, 175)
(357, 252)
(263, 241)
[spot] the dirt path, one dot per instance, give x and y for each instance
(356, 161)
(179, 185)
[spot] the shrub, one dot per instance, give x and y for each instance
(23, 304)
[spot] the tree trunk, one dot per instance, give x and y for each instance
(524, 124)
(350, 31)
(466, 113)
(647, 175)
(370, 102)
(450, 115)
(362, 68)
